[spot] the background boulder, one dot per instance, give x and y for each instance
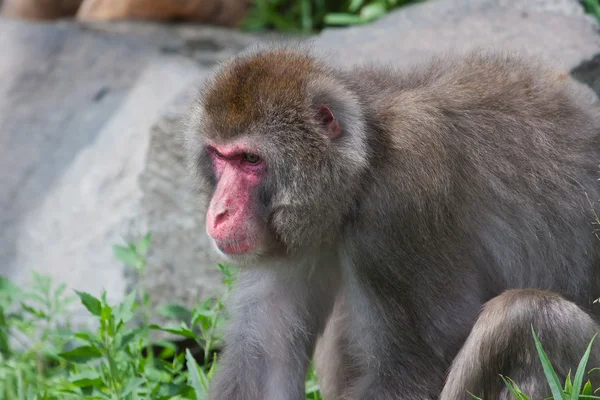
(218, 12)
(221, 12)
(79, 106)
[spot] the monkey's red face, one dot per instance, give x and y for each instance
(232, 219)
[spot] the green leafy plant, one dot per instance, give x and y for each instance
(312, 15)
(31, 338)
(42, 358)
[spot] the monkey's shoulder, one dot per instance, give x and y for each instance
(476, 81)
(487, 95)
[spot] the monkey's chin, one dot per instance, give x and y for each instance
(234, 247)
(237, 252)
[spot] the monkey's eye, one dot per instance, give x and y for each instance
(251, 158)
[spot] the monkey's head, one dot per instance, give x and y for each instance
(277, 142)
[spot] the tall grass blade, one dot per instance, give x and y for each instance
(514, 389)
(578, 381)
(549, 371)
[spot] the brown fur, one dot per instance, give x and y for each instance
(233, 97)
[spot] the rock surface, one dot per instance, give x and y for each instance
(77, 107)
(89, 149)
(218, 12)
(556, 30)
(221, 12)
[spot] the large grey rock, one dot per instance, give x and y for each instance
(89, 128)
(77, 108)
(555, 30)
(183, 267)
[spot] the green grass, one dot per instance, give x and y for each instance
(309, 16)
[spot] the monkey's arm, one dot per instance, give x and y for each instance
(277, 313)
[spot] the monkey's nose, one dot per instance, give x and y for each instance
(221, 216)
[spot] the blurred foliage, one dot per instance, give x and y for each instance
(308, 16)
(592, 7)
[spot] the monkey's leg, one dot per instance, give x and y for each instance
(501, 343)
(276, 315)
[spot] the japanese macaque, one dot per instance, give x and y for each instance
(411, 225)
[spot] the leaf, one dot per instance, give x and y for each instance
(86, 378)
(33, 311)
(514, 389)
(355, 5)
(177, 311)
(587, 389)
(195, 378)
(372, 11)
(143, 245)
(343, 19)
(551, 376)
(568, 385)
(127, 256)
(229, 274)
(131, 386)
(211, 371)
(170, 391)
(106, 314)
(82, 354)
(84, 336)
(4, 340)
(42, 283)
(203, 318)
(125, 311)
(92, 304)
(129, 336)
(177, 330)
(168, 348)
(578, 381)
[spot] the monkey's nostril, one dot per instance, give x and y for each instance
(221, 217)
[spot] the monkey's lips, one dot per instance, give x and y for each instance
(234, 247)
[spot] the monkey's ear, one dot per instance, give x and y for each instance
(326, 118)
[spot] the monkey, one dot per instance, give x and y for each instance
(407, 227)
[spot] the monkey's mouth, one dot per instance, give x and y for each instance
(234, 247)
